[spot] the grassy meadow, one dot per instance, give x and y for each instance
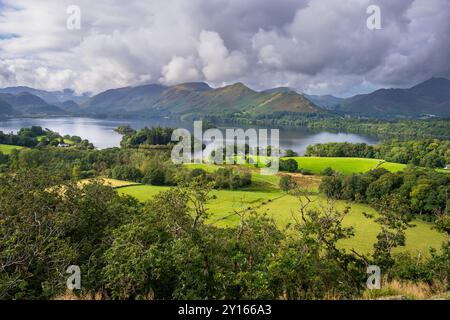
(281, 207)
(265, 197)
(346, 166)
(342, 165)
(7, 149)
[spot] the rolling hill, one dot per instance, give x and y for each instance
(431, 97)
(51, 97)
(29, 104)
(328, 101)
(30, 101)
(6, 109)
(197, 98)
(194, 99)
(128, 99)
(70, 106)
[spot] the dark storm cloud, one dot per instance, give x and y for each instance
(318, 46)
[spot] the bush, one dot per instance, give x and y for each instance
(289, 165)
(286, 183)
(155, 177)
(226, 178)
(331, 186)
(197, 172)
(235, 182)
(290, 153)
(246, 179)
(443, 223)
(328, 172)
(126, 172)
(436, 267)
(87, 174)
(305, 172)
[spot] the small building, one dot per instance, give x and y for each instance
(63, 145)
(447, 167)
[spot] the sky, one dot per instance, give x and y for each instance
(312, 46)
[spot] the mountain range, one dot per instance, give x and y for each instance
(431, 97)
(16, 101)
(328, 101)
(51, 97)
(195, 99)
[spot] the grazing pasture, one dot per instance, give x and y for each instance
(7, 149)
(282, 207)
(346, 165)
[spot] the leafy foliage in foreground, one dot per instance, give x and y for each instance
(165, 250)
(47, 224)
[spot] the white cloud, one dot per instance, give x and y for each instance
(219, 64)
(180, 70)
(313, 45)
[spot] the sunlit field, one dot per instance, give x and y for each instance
(282, 207)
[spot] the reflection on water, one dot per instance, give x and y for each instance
(101, 131)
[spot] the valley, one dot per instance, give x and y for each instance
(281, 207)
(138, 206)
(191, 100)
(215, 159)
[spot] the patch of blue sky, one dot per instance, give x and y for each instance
(4, 36)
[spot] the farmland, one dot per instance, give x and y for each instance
(265, 197)
(345, 165)
(281, 207)
(7, 149)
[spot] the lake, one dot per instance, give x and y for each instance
(101, 131)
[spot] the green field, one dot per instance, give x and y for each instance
(281, 207)
(6, 148)
(259, 182)
(419, 238)
(265, 197)
(66, 141)
(222, 208)
(345, 165)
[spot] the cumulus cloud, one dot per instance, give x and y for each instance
(219, 63)
(316, 46)
(179, 70)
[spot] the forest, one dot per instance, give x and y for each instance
(405, 129)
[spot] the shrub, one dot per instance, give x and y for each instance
(328, 172)
(126, 172)
(306, 172)
(331, 186)
(290, 153)
(197, 172)
(155, 177)
(289, 165)
(286, 183)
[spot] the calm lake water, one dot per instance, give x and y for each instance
(101, 131)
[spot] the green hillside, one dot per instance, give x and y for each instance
(199, 99)
(429, 97)
(281, 207)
